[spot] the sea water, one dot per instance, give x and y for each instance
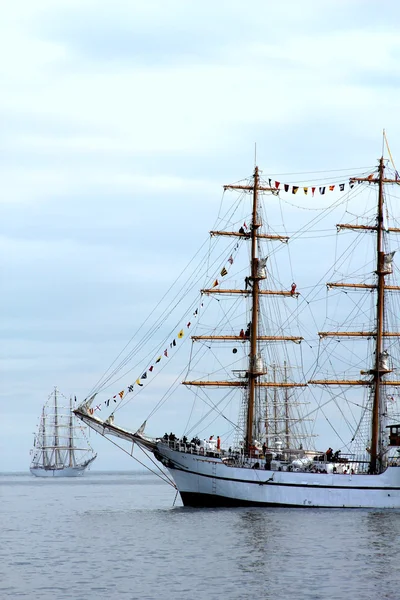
(126, 536)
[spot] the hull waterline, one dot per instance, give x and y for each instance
(208, 482)
(64, 472)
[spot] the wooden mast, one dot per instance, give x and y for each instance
(286, 408)
(379, 334)
(44, 439)
(56, 433)
(376, 408)
(254, 315)
(71, 436)
(275, 405)
(251, 381)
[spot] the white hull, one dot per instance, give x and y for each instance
(205, 481)
(63, 472)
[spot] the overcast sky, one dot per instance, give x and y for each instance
(120, 121)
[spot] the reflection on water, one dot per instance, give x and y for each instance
(118, 536)
(334, 553)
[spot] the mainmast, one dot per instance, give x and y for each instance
(380, 367)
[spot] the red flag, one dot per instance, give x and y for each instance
(188, 325)
(331, 188)
(151, 368)
(166, 353)
(277, 184)
(313, 190)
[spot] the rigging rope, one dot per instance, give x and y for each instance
(390, 154)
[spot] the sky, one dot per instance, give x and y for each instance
(119, 124)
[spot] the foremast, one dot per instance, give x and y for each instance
(380, 368)
(254, 372)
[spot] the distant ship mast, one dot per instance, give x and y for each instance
(71, 436)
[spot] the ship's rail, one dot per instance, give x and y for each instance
(346, 464)
(193, 448)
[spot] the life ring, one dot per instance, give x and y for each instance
(91, 411)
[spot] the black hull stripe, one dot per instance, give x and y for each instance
(193, 500)
(296, 485)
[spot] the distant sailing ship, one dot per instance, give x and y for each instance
(61, 448)
(273, 460)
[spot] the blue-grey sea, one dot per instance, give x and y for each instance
(120, 535)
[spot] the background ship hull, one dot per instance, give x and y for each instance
(204, 481)
(64, 472)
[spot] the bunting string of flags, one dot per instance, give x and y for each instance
(321, 189)
(172, 344)
(224, 271)
(149, 370)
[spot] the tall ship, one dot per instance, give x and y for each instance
(276, 363)
(61, 447)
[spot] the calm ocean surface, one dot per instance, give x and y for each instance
(110, 535)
